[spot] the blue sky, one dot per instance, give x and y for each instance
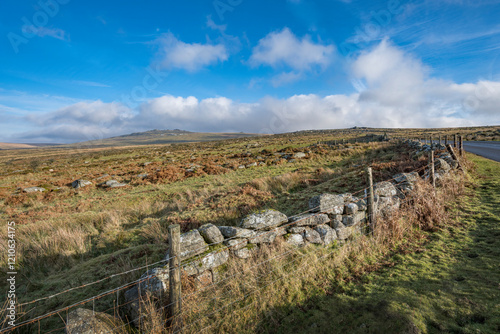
(73, 70)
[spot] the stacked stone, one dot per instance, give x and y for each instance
(331, 218)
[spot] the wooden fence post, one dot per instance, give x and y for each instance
(440, 140)
(453, 155)
(432, 143)
(433, 175)
(174, 238)
(460, 146)
(455, 141)
(371, 204)
(445, 140)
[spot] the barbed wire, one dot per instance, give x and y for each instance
(154, 276)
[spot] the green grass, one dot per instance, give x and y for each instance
(450, 285)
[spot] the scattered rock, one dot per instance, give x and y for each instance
(299, 155)
(34, 189)
(112, 184)
(80, 183)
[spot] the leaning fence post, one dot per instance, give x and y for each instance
(433, 175)
(371, 206)
(174, 299)
(453, 155)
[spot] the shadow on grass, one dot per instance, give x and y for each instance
(450, 286)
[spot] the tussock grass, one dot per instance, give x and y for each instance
(275, 290)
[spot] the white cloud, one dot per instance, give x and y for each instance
(174, 53)
(285, 78)
(395, 90)
(283, 48)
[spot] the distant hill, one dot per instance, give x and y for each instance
(17, 146)
(154, 137)
(14, 146)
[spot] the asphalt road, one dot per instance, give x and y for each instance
(487, 149)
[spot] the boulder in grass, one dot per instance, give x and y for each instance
(211, 234)
(34, 189)
(80, 183)
(327, 203)
(112, 184)
(299, 155)
(264, 220)
(83, 321)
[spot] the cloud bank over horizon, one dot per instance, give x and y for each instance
(393, 89)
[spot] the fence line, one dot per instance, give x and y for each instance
(132, 283)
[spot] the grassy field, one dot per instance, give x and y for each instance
(67, 237)
(448, 283)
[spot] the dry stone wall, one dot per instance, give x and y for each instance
(331, 218)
